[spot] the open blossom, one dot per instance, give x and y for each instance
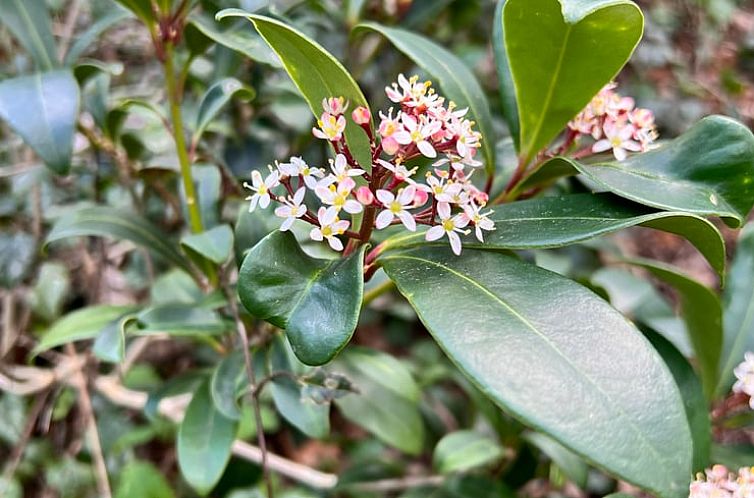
(331, 127)
(330, 226)
(480, 220)
(400, 171)
(420, 133)
(393, 132)
(339, 196)
(719, 482)
(619, 138)
(450, 226)
(744, 373)
(397, 206)
(291, 209)
(341, 170)
(298, 167)
(261, 188)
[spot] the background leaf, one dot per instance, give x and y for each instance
(571, 465)
(142, 479)
(230, 35)
(30, 23)
(214, 99)
(464, 450)
(215, 244)
(507, 87)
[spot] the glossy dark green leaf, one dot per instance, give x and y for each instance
(561, 53)
(316, 73)
(569, 463)
(30, 23)
(80, 325)
(504, 76)
(512, 328)
(142, 479)
(697, 410)
(738, 320)
(549, 222)
(461, 451)
(204, 442)
(702, 312)
(316, 301)
(225, 383)
(709, 171)
(93, 32)
(456, 80)
(179, 320)
(43, 109)
(109, 222)
(387, 401)
(215, 244)
(232, 36)
(215, 98)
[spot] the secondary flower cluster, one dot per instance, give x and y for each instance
(614, 122)
(719, 482)
(389, 192)
(744, 373)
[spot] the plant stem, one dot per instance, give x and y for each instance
(175, 97)
(377, 291)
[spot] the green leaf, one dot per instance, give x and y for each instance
(733, 456)
(215, 98)
(738, 320)
(571, 465)
(550, 222)
(203, 31)
(29, 21)
(215, 244)
(316, 73)
(204, 442)
(561, 53)
(51, 290)
(464, 450)
(280, 283)
(499, 319)
(17, 253)
(104, 221)
(43, 109)
(387, 403)
(93, 32)
(110, 344)
(142, 9)
(457, 81)
(80, 325)
(142, 479)
(179, 319)
(507, 88)
(709, 171)
(702, 312)
(694, 401)
(225, 382)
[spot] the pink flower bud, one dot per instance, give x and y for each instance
(420, 198)
(361, 115)
(335, 105)
(364, 195)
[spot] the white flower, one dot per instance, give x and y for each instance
(291, 209)
(420, 132)
(329, 228)
(744, 373)
(335, 105)
(393, 132)
(339, 197)
(261, 189)
(397, 206)
(341, 170)
(298, 167)
(400, 171)
(453, 193)
(330, 127)
(618, 136)
(480, 220)
(450, 226)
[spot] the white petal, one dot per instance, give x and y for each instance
(298, 197)
(385, 197)
(455, 243)
(435, 233)
(443, 209)
(283, 211)
(356, 172)
(427, 149)
(407, 220)
(264, 201)
(353, 207)
(620, 154)
(253, 204)
(287, 224)
(402, 137)
(601, 146)
(335, 243)
(328, 217)
(310, 182)
(384, 219)
(256, 178)
(406, 195)
(478, 232)
(315, 234)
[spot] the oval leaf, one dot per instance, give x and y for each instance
(224, 384)
(709, 170)
(216, 97)
(316, 301)
(43, 109)
(464, 450)
(317, 74)
(457, 81)
(550, 222)
(179, 320)
(609, 396)
(561, 53)
(204, 442)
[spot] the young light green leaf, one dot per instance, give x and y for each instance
(386, 408)
(694, 402)
(571, 465)
(80, 325)
(702, 312)
(204, 442)
(709, 171)
(202, 31)
(549, 222)
(498, 318)
(43, 109)
(561, 53)
(216, 97)
(215, 244)
(316, 73)
(109, 222)
(456, 80)
(29, 21)
(142, 479)
(461, 451)
(504, 76)
(738, 332)
(316, 301)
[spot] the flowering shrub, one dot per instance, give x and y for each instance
(441, 273)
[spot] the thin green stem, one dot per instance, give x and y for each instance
(377, 291)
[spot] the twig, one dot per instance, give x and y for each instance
(18, 451)
(388, 485)
(68, 27)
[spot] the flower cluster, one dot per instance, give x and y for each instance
(718, 482)
(744, 373)
(388, 192)
(614, 122)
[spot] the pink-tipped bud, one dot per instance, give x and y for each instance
(420, 198)
(335, 105)
(364, 195)
(361, 116)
